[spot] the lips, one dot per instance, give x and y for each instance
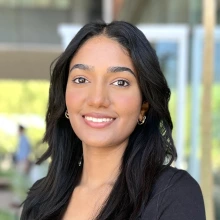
(97, 120)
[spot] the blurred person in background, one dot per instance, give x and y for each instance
(109, 132)
(20, 181)
(21, 156)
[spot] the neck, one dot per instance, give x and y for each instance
(101, 166)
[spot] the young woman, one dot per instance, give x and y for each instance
(109, 135)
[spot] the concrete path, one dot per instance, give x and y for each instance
(6, 200)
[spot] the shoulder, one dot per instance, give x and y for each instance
(172, 178)
(175, 195)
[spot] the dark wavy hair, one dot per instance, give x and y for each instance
(150, 148)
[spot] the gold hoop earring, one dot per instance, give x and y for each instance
(142, 121)
(67, 114)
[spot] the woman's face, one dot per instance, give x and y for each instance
(103, 98)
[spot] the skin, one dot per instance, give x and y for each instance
(102, 83)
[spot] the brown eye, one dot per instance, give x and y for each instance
(121, 83)
(80, 80)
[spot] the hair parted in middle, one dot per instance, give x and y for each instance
(150, 144)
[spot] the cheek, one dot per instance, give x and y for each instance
(73, 98)
(69, 99)
(130, 104)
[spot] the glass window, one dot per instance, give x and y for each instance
(167, 54)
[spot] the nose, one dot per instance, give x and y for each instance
(98, 96)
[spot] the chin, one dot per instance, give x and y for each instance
(96, 139)
(96, 143)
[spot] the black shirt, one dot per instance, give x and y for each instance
(175, 196)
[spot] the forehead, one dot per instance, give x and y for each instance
(104, 42)
(102, 49)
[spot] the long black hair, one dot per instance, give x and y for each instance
(150, 148)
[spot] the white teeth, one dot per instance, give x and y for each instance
(98, 119)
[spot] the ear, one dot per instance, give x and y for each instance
(144, 109)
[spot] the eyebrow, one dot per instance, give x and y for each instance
(113, 69)
(81, 67)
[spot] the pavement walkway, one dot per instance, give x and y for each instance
(6, 200)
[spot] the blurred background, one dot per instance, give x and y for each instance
(186, 37)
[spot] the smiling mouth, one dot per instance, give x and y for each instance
(98, 120)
